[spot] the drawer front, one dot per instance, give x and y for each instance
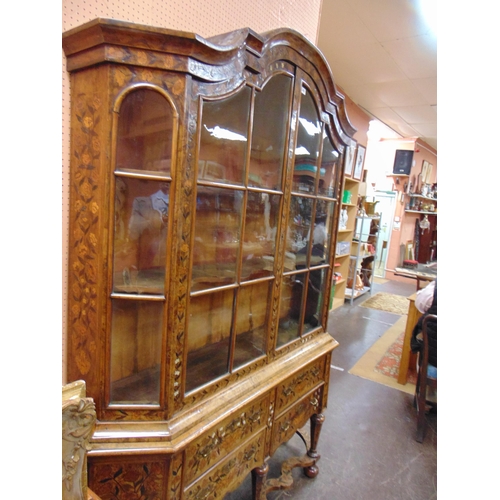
(221, 439)
(133, 478)
(229, 473)
(296, 417)
(299, 384)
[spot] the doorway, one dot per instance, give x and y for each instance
(385, 207)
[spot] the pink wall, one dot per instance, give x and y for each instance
(358, 118)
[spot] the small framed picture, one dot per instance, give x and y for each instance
(349, 160)
(360, 159)
(426, 172)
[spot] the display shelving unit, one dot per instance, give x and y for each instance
(362, 238)
(345, 236)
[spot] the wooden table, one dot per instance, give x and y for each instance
(408, 359)
(423, 272)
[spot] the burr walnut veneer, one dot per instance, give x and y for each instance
(205, 177)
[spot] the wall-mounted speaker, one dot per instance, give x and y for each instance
(403, 162)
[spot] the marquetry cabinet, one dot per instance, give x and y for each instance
(205, 184)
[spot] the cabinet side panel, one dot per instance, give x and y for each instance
(90, 126)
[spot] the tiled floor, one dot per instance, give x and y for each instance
(367, 445)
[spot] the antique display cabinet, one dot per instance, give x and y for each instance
(205, 179)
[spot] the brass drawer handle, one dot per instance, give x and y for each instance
(285, 428)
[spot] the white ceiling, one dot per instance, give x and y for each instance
(383, 55)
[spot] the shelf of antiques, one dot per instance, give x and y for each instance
(347, 221)
(424, 205)
(364, 248)
(204, 206)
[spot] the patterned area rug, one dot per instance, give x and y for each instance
(396, 304)
(381, 362)
(389, 364)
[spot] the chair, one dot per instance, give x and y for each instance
(424, 380)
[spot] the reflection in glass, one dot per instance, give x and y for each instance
(217, 237)
(208, 338)
(307, 149)
(270, 129)
(314, 301)
(260, 235)
(224, 138)
(140, 235)
(144, 139)
(299, 227)
(290, 308)
(328, 183)
(322, 232)
(136, 331)
(251, 320)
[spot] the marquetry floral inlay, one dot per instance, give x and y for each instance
(85, 218)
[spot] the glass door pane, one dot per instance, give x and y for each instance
(224, 135)
(209, 336)
(308, 144)
(140, 239)
(144, 139)
(251, 322)
(217, 237)
(136, 333)
(330, 169)
(260, 235)
(269, 133)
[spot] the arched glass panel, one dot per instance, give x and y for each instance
(269, 133)
(144, 139)
(330, 169)
(224, 136)
(140, 251)
(308, 144)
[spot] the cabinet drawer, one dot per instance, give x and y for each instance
(229, 473)
(221, 439)
(296, 417)
(299, 384)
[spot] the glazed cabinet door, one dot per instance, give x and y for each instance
(142, 211)
(240, 182)
(310, 225)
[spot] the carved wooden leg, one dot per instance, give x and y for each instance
(316, 423)
(259, 475)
